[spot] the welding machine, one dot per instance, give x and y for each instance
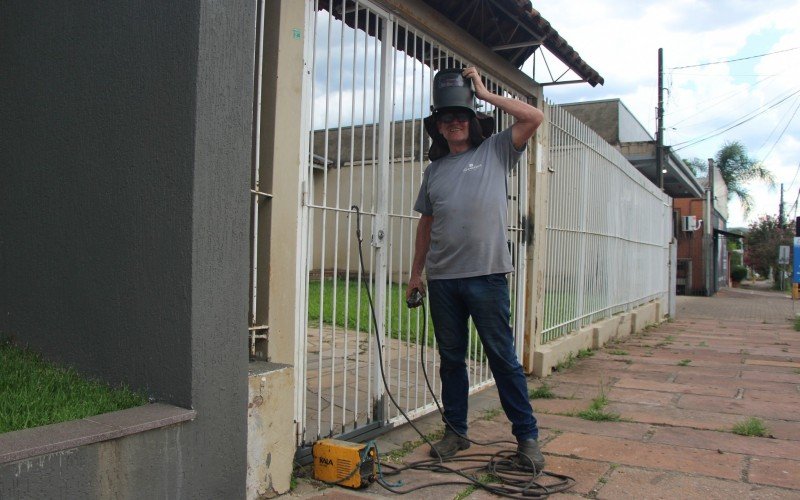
(343, 463)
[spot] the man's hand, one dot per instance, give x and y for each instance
(415, 283)
(527, 117)
(481, 92)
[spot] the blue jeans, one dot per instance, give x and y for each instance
(486, 299)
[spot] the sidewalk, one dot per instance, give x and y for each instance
(679, 389)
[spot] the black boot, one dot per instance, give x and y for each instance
(449, 445)
(532, 455)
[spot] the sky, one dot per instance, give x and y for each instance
(620, 39)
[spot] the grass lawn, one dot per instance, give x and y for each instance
(34, 392)
(403, 323)
(356, 315)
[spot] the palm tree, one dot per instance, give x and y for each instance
(736, 169)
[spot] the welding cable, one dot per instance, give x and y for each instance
(516, 482)
(510, 481)
(377, 336)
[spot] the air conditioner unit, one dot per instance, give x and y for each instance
(689, 223)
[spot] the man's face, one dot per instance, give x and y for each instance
(454, 125)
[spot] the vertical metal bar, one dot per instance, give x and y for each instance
(380, 228)
(362, 170)
(306, 112)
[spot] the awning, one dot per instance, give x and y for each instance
(728, 233)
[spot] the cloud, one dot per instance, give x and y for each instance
(620, 39)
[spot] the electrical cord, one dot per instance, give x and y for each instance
(515, 481)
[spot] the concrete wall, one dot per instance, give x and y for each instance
(124, 208)
(144, 465)
(600, 116)
(630, 129)
(594, 336)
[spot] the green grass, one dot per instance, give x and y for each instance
(751, 427)
(703, 344)
(797, 323)
(585, 353)
(684, 362)
(484, 479)
(565, 363)
(542, 392)
(596, 411)
(491, 413)
(37, 393)
(353, 311)
(618, 352)
(409, 446)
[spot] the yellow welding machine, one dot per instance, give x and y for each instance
(343, 463)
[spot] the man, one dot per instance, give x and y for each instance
(461, 241)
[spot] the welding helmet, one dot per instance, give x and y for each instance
(452, 90)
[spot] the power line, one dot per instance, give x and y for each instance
(735, 60)
(744, 119)
(780, 136)
(723, 98)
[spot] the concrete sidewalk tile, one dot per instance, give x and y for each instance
(586, 473)
(643, 484)
(652, 398)
(780, 429)
(703, 462)
(781, 411)
(670, 387)
(776, 472)
(567, 390)
(677, 417)
(770, 397)
(726, 442)
(626, 430)
(769, 362)
(560, 405)
(735, 382)
(788, 378)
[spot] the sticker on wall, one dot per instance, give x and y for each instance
(297, 34)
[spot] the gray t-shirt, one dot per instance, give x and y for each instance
(467, 195)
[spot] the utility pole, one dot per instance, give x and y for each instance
(660, 122)
(781, 214)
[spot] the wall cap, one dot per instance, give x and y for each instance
(36, 441)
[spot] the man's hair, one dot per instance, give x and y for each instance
(439, 147)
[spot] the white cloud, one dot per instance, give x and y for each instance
(620, 39)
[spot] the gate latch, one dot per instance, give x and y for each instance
(377, 239)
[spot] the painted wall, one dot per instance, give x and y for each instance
(124, 207)
(691, 244)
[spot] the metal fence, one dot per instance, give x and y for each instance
(367, 89)
(608, 231)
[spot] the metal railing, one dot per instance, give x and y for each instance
(369, 87)
(608, 231)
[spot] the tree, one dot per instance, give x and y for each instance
(764, 236)
(697, 166)
(737, 169)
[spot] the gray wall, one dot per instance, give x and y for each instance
(124, 207)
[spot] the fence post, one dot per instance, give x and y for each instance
(536, 248)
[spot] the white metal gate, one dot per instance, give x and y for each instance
(366, 91)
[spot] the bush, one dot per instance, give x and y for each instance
(738, 273)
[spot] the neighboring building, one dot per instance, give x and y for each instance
(702, 259)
